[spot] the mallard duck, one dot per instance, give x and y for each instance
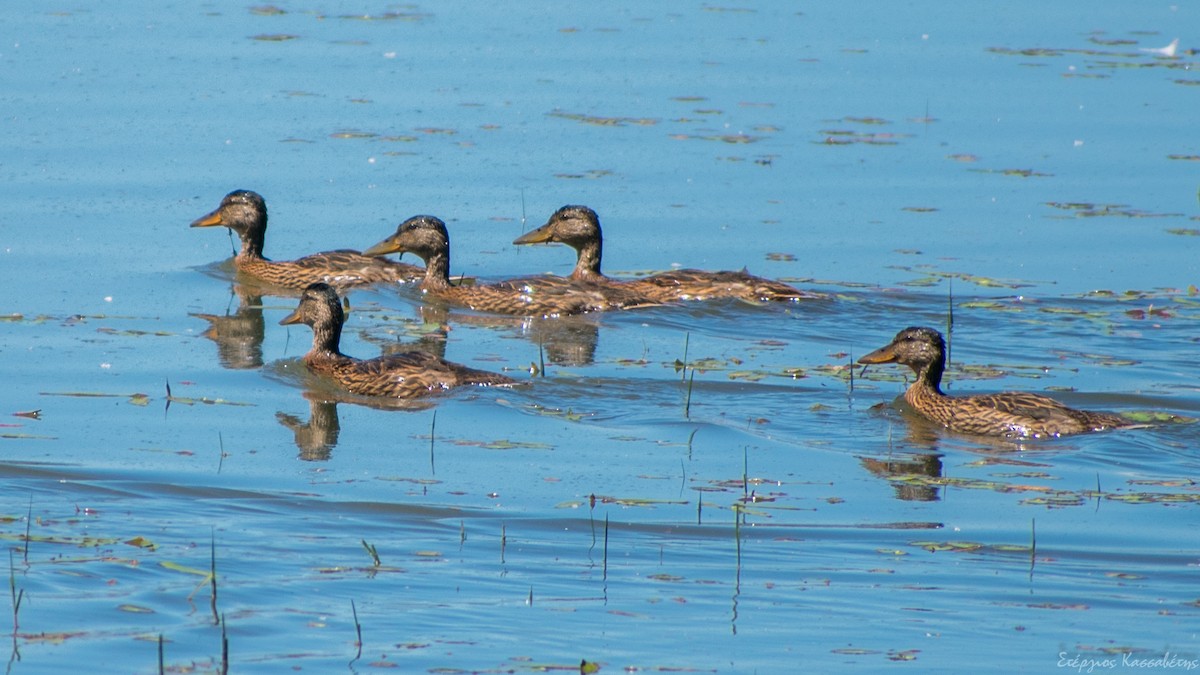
(396, 375)
(426, 237)
(245, 212)
(579, 228)
(1009, 414)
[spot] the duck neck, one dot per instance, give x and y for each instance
(929, 380)
(252, 243)
(587, 265)
(437, 270)
(327, 338)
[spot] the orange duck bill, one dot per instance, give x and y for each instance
(885, 354)
(209, 220)
(542, 235)
(389, 245)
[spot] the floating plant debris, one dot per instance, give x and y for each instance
(850, 137)
(386, 16)
(596, 120)
(353, 134)
(276, 37)
(1020, 173)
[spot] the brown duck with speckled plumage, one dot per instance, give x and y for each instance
(1009, 414)
(406, 375)
(426, 237)
(245, 213)
(579, 228)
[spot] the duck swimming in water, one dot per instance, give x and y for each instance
(406, 375)
(245, 212)
(1009, 414)
(426, 236)
(579, 228)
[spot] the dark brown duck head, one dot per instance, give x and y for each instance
(244, 212)
(423, 236)
(577, 227)
(320, 309)
(917, 347)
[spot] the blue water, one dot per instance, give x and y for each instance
(1009, 163)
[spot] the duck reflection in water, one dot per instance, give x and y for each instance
(317, 437)
(239, 336)
(565, 340)
(906, 474)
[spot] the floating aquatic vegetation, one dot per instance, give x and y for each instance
(387, 16)
(1158, 417)
(596, 120)
(266, 10)
(934, 275)
(142, 542)
(990, 305)
(1163, 482)
(969, 547)
(353, 134)
(275, 37)
(866, 120)
(1089, 210)
(734, 139)
(133, 333)
(504, 444)
(1056, 501)
(1097, 359)
(591, 173)
(903, 655)
(135, 398)
(919, 209)
(851, 137)
(1020, 173)
(1154, 498)
(1111, 43)
(747, 375)
(51, 638)
(134, 609)
(781, 257)
(1184, 231)
(639, 501)
(963, 157)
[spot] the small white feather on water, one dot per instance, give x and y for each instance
(1168, 51)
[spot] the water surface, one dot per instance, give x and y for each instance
(698, 488)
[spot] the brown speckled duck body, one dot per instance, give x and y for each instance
(426, 237)
(245, 212)
(579, 228)
(407, 375)
(1008, 414)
